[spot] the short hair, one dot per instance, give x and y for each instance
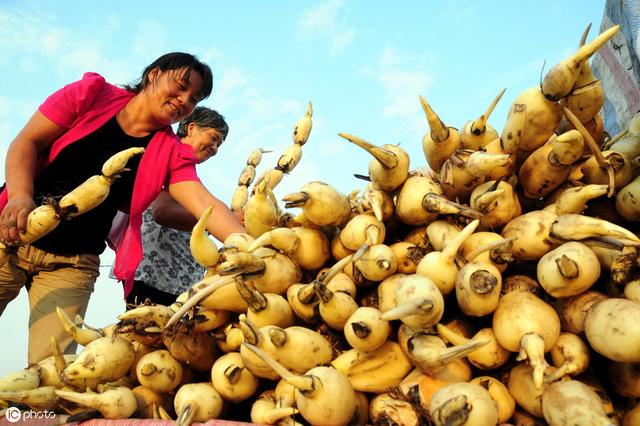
(175, 61)
(205, 118)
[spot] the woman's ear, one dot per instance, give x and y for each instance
(190, 128)
(152, 75)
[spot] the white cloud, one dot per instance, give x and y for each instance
(264, 120)
(293, 107)
(402, 78)
(458, 11)
(256, 120)
(33, 40)
(324, 22)
(321, 16)
(257, 117)
(80, 58)
(237, 89)
(212, 55)
(227, 84)
(29, 32)
(340, 40)
(51, 42)
(150, 39)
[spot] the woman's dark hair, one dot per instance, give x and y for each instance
(176, 61)
(204, 117)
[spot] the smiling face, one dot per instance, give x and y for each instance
(204, 140)
(171, 95)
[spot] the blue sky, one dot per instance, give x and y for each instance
(362, 64)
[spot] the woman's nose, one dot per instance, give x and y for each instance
(183, 98)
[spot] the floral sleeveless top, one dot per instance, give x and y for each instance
(167, 263)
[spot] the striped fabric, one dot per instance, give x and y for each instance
(617, 64)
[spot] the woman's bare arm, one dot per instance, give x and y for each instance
(167, 212)
(195, 198)
(20, 169)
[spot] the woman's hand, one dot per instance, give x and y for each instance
(14, 217)
(20, 170)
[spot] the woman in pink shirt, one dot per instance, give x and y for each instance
(73, 132)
